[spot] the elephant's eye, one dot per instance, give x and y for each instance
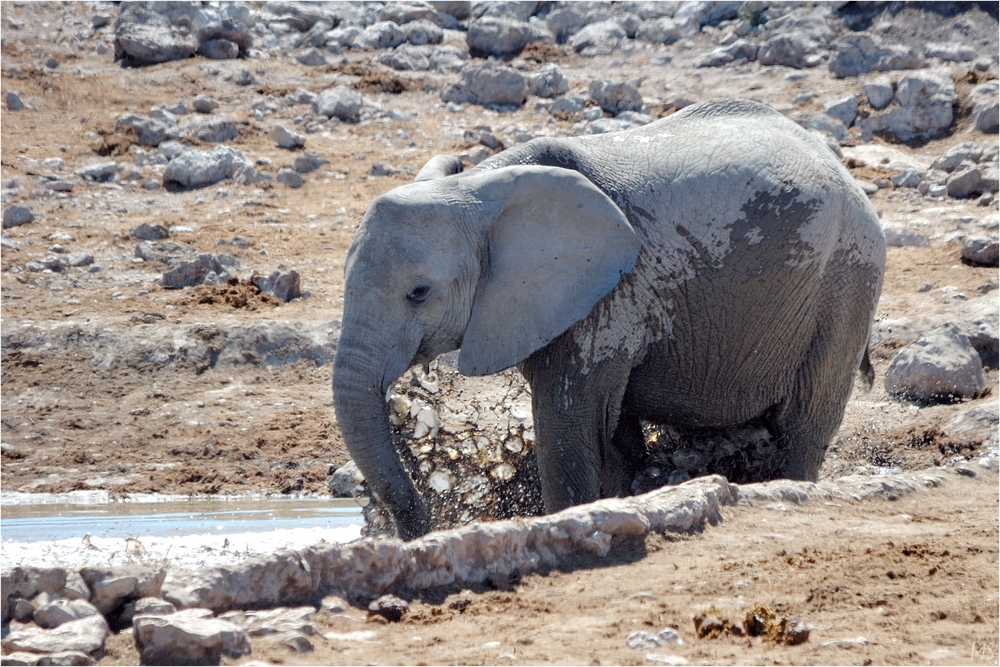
(418, 294)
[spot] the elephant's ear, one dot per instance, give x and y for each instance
(555, 246)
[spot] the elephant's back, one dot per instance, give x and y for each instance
(741, 211)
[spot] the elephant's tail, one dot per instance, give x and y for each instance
(867, 370)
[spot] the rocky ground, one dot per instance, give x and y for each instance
(174, 233)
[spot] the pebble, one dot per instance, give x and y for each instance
(14, 102)
(288, 139)
(17, 215)
(289, 177)
(203, 104)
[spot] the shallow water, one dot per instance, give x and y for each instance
(74, 530)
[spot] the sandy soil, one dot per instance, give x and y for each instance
(915, 578)
(910, 581)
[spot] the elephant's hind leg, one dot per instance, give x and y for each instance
(805, 422)
(624, 458)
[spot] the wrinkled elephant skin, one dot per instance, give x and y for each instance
(716, 268)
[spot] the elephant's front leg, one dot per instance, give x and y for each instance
(576, 408)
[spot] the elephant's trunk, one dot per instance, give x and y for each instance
(360, 379)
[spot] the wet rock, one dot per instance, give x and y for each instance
(197, 169)
(145, 37)
(188, 637)
(844, 109)
(57, 612)
(981, 251)
(85, 635)
(615, 97)
(939, 367)
(880, 92)
(311, 57)
(203, 104)
(219, 49)
(14, 102)
(740, 50)
(502, 37)
(925, 109)
(661, 30)
(860, 53)
(290, 178)
(344, 480)
(599, 38)
(549, 82)
(381, 35)
(423, 31)
(340, 102)
(985, 100)
(389, 607)
(213, 130)
(288, 139)
(17, 215)
(282, 284)
(950, 52)
(487, 84)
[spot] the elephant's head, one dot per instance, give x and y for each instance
(495, 262)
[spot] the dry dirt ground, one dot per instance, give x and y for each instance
(916, 578)
(906, 581)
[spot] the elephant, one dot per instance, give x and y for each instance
(714, 268)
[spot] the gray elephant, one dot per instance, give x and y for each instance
(715, 268)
